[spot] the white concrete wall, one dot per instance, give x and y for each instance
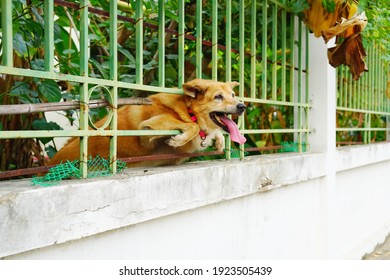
(267, 207)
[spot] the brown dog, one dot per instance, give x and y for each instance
(200, 114)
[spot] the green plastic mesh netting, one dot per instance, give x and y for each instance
(287, 147)
(235, 153)
(97, 167)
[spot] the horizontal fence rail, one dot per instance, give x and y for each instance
(363, 107)
(116, 51)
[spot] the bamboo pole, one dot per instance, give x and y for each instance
(19, 109)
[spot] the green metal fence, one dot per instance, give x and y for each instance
(258, 43)
(363, 108)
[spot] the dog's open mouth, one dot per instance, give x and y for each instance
(222, 120)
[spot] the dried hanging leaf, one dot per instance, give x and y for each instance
(343, 22)
(351, 53)
(318, 19)
(346, 27)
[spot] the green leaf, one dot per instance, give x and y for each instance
(38, 64)
(329, 5)
(37, 16)
(298, 6)
(68, 51)
(170, 72)
(23, 91)
(172, 56)
(171, 15)
(18, 2)
(127, 54)
(261, 144)
(49, 90)
(93, 37)
(20, 45)
(100, 68)
(51, 151)
(42, 124)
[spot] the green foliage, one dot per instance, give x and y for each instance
(329, 5)
(298, 6)
(378, 26)
(28, 42)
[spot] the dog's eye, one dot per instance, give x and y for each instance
(233, 94)
(218, 97)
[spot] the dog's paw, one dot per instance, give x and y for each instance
(177, 140)
(219, 142)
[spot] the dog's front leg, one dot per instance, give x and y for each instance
(166, 122)
(219, 142)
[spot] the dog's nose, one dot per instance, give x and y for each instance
(241, 107)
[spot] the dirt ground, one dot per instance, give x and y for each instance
(381, 252)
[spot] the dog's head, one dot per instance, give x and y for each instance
(212, 101)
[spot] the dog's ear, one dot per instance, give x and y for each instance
(195, 87)
(232, 85)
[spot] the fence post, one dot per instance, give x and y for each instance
(322, 88)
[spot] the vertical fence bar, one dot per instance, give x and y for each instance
(274, 50)
(340, 78)
(7, 34)
(358, 93)
(365, 89)
(214, 48)
(241, 46)
(383, 82)
(228, 58)
(49, 35)
(114, 77)
(139, 34)
(372, 78)
(307, 76)
(372, 94)
(383, 88)
(366, 104)
(350, 93)
(376, 75)
(381, 76)
(355, 95)
(199, 39)
(300, 109)
(253, 49)
(346, 88)
(292, 53)
(387, 98)
(284, 47)
(264, 50)
(242, 63)
(161, 43)
(181, 43)
(84, 96)
(377, 82)
(228, 61)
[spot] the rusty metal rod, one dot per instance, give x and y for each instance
(45, 169)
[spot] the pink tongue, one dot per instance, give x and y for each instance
(235, 135)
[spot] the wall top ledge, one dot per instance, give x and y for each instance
(34, 217)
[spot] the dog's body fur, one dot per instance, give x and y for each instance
(168, 112)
